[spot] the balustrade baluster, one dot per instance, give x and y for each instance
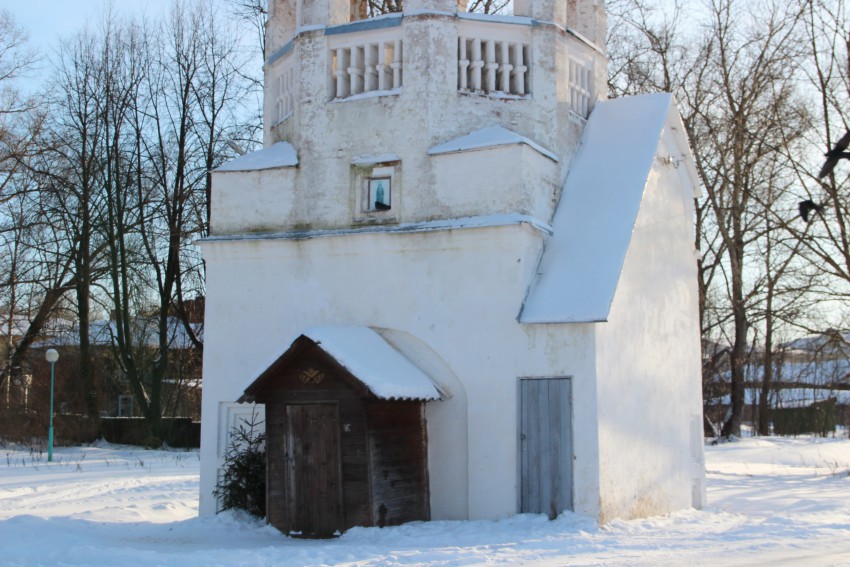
(573, 88)
(279, 100)
(355, 70)
(381, 67)
(585, 87)
(340, 72)
(519, 69)
(290, 106)
(491, 66)
(284, 91)
(397, 77)
(505, 67)
(477, 64)
(287, 90)
(462, 65)
(370, 77)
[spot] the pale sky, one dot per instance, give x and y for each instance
(48, 21)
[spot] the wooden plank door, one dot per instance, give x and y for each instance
(545, 440)
(314, 490)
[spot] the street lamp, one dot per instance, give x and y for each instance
(52, 356)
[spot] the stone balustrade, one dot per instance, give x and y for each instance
(494, 58)
(487, 65)
(363, 63)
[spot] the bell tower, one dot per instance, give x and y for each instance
(378, 102)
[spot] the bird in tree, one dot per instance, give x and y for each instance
(807, 206)
(836, 153)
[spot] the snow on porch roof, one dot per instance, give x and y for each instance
(592, 226)
(382, 369)
(281, 154)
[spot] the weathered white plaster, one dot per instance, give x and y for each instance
(297, 284)
(508, 178)
(648, 396)
(252, 201)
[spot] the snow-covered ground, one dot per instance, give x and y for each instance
(772, 501)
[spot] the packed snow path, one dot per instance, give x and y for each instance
(773, 501)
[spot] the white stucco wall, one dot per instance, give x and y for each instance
(648, 365)
(506, 179)
(456, 291)
(252, 201)
(569, 350)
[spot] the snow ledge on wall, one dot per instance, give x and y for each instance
(490, 137)
(281, 154)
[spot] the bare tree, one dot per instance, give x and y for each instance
(15, 61)
(21, 122)
(115, 189)
(185, 102)
(826, 239)
(735, 79)
(253, 13)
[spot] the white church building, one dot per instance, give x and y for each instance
(459, 283)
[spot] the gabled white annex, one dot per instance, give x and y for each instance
(594, 222)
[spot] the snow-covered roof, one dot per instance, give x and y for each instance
(834, 341)
(375, 159)
(385, 371)
(382, 369)
(281, 154)
(482, 221)
(145, 332)
(592, 226)
(489, 137)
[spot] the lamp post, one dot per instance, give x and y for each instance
(52, 356)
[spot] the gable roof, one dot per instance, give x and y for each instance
(281, 154)
(490, 137)
(379, 367)
(593, 223)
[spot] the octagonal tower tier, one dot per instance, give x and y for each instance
(378, 110)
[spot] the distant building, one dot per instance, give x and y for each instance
(460, 284)
(811, 371)
(181, 392)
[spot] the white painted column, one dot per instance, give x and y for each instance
(519, 69)
(476, 64)
(396, 65)
(491, 66)
(355, 70)
(370, 62)
(462, 64)
(505, 68)
(381, 67)
(341, 73)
